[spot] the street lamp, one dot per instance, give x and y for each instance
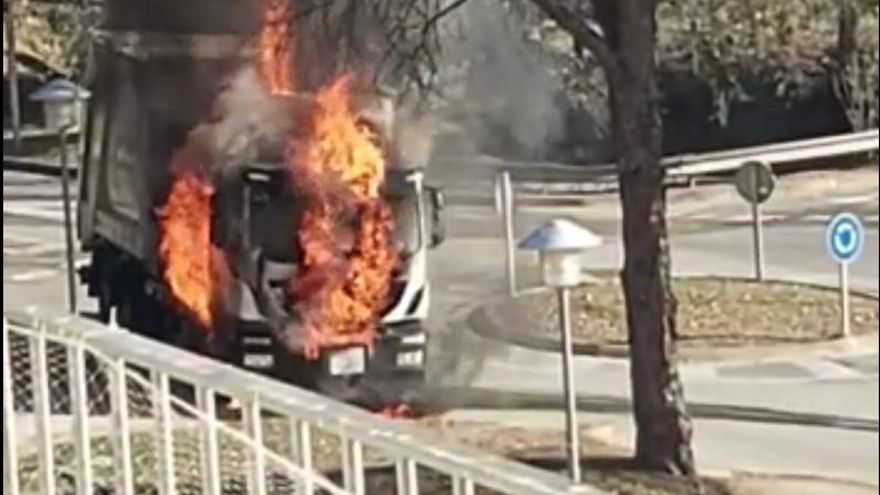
(62, 106)
(560, 244)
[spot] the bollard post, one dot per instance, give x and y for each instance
(509, 243)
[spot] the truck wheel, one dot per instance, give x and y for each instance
(105, 302)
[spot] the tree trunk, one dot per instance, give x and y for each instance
(845, 73)
(663, 426)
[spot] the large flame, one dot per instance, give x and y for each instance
(185, 242)
(275, 48)
(345, 234)
(348, 260)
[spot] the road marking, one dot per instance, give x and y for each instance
(829, 370)
(33, 275)
(849, 200)
(32, 250)
(734, 219)
(24, 211)
(43, 273)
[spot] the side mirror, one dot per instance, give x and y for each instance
(437, 227)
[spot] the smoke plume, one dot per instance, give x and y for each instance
(501, 91)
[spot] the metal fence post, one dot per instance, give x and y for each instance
(10, 449)
(205, 400)
(122, 427)
(462, 486)
(43, 410)
(353, 466)
(407, 477)
(164, 435)
(256, 457)
(80, 411)
(301, 447)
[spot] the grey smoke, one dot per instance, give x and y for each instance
(249, 117)
(500, 86)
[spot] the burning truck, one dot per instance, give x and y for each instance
(231, 212)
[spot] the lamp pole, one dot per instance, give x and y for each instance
(560, 244)
(572, 439)
(68, 223)
(12, 65)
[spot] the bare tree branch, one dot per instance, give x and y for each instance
(586, 33)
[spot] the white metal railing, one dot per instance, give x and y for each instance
(89, 407)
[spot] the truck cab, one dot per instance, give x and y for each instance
(396, 360)
(137, 117)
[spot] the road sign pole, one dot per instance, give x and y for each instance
(755, 183)
(844, 239)
(758, 239)
(843, 271)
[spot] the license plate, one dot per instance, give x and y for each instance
(348, 361)
(259, 360)
(410, 359)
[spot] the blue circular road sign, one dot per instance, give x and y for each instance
(845, 238)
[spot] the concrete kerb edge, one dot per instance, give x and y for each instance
(483, 321)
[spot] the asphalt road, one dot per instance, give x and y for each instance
(805, 414)
(708, 235)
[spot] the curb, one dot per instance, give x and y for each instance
(482, 322)
(770, 482)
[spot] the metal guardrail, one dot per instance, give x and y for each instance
(683, 166)
(523, 184)
(94, 407)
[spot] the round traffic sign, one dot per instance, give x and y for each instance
(845, 238)
(755, 181)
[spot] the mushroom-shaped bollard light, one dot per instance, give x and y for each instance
(561, 243)
(62, 105)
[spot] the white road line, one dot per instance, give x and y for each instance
(21, 239)
(43, 273)
(32, 250)
(771, 217)
(848, 200)
(23, 211)
(33, 275)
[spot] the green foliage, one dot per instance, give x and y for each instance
(786, 42)
(56, 33)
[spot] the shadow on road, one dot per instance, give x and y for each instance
(441, 399)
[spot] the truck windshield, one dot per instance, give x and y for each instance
(406, 222)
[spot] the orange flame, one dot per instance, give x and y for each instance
(274, 48)
(185, 242)
(397, 411)
(343, 286)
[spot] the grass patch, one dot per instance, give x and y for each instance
(605, 466)
(711, 313)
